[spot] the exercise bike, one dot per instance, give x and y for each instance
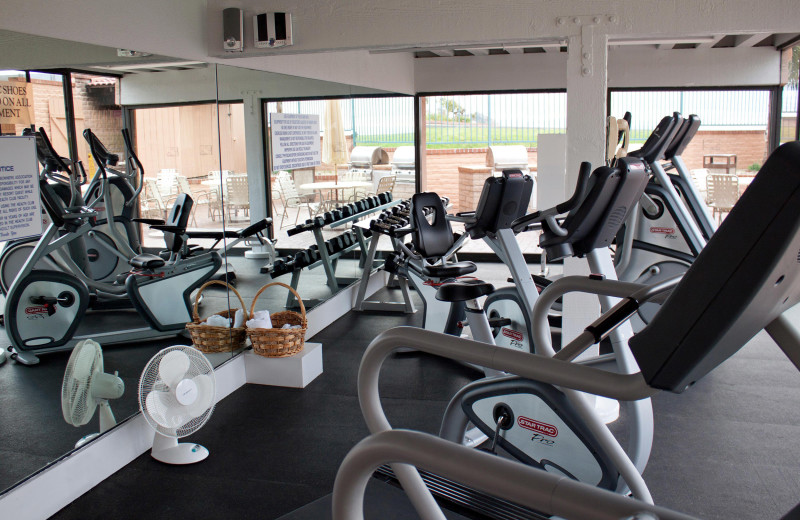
(44, 308)
(534, 423)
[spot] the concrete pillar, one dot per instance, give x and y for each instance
(587, 74)
(254, 139)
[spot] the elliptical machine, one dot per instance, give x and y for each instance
(44, 307)
(104, 251)
(671, 224)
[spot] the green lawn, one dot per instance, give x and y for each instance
(441, 137)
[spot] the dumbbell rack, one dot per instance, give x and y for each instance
(406, 306)
(388, 223)
(327, 253)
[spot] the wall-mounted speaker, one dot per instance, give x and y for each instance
(272, 30)
(233, 29)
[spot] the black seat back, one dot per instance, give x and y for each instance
(746, 276)
(682, 137)
(432, 234)
(611, 195)
(179, 218)
(503, 199)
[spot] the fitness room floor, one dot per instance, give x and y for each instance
(729, 447)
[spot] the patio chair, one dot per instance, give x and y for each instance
(153, 205)
(385, 184)
(722, 192)
(357, 193)
(291, 199)
(166, 179)
(199, 196)
(237, 195)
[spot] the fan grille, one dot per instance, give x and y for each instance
(151, 381)
(77, 406)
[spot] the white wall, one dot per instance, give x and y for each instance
(638, 67)
(199, 85)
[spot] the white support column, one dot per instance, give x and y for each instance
(586, 119)
(256, 180)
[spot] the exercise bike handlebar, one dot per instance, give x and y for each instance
(525, 222)
(133, 161)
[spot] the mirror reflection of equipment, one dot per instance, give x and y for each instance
(86, 387)
(176, 395)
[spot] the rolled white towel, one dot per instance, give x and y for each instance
(289, 326)
(258, 324)
(218, 321)
(238, 318)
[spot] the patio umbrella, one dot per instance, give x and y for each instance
(334, 145)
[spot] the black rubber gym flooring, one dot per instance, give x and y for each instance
(729, 447)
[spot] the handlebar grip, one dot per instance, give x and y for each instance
(522, 223)
(580, 189)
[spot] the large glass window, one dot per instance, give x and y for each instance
(734, 123)
(179, 148)
(358, 141)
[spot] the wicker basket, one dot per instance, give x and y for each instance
(278, 342)
(210, 339)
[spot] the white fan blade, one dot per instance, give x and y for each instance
(165, 410)
(172, 367)
(205, 396)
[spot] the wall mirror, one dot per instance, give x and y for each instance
(174, 132)
(197, 129)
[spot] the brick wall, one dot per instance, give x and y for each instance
(750, 146)
(443, 177)
(104, 121)
(442, 171)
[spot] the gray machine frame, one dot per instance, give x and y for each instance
(751, 278)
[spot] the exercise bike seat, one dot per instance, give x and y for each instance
(147, 261)
(463, 290)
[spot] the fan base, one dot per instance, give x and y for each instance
(181, 453)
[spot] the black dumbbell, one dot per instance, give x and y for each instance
(337, 215)
(302, 259)
(313, 247)
(383, 198)
(381, 227)
(313, 255)
(330, 247)
(376, 201)
(319, 222)
(327, 217)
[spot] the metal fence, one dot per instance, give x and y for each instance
(480, 120)
(716, 108)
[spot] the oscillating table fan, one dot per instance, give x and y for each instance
(176, 396)
(86, 387)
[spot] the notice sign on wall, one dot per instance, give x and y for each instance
(20, 206)
(15, 103)
(295, 141)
